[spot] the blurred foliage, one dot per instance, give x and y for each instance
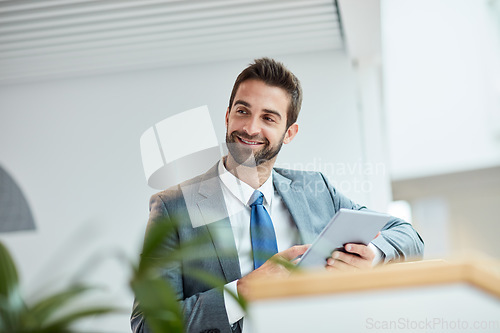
(157, 298)
(158, 302)
(47, 315)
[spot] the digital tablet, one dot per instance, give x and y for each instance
(347, 226)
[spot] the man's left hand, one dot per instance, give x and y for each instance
(357, 256)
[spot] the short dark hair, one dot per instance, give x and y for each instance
(273, 73)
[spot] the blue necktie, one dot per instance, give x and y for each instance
(261, 231)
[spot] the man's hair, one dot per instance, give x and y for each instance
(273, 73)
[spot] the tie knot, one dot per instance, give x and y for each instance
(257, 198)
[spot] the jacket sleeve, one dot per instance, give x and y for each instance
(398, 240)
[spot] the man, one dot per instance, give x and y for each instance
(246, 207)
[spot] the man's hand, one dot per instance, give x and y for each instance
(272, 267)
(358, 256)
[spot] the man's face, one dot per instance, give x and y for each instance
(256, 123)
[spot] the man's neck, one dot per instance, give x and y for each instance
(254, 176)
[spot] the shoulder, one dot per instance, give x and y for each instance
(299, 176)
(310, 182)
(188, 187)
(290, 173)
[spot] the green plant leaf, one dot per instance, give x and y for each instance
(47, 315)
(161, 257)
(152, 246)
(11, 301)
(156, 234)
(6, 319)
(278, 260)
(44, 309)
(159, 305)
(156, 254)
(158, 302)
(63, 323)
(188, 250)
(9, 280)
(215, 282)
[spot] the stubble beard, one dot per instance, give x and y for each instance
(243, 156)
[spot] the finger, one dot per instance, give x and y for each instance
(331, 268)
(347, 258)
(294, 251)
(359, 249)
(339, 265)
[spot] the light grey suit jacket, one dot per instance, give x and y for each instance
(198, 206)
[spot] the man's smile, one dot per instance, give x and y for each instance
(250, 142)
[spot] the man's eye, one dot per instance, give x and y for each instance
(269, 119)
(241, 111)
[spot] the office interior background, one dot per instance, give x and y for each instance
(401, 104)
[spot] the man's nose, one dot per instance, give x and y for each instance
(252, 126)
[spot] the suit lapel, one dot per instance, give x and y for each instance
(212, 208)
(294, 198)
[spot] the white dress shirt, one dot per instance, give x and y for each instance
(236, 196)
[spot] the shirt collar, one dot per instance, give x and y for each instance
(241, 190)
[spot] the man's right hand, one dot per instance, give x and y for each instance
(271, 268)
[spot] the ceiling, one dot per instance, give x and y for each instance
(47, 39)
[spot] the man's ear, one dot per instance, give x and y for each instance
(291, 132)
(227, 116)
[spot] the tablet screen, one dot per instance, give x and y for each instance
(347, 226)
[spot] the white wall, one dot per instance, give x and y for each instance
(330, 132)
(441, 62)
(73, 147)
(441, 68)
